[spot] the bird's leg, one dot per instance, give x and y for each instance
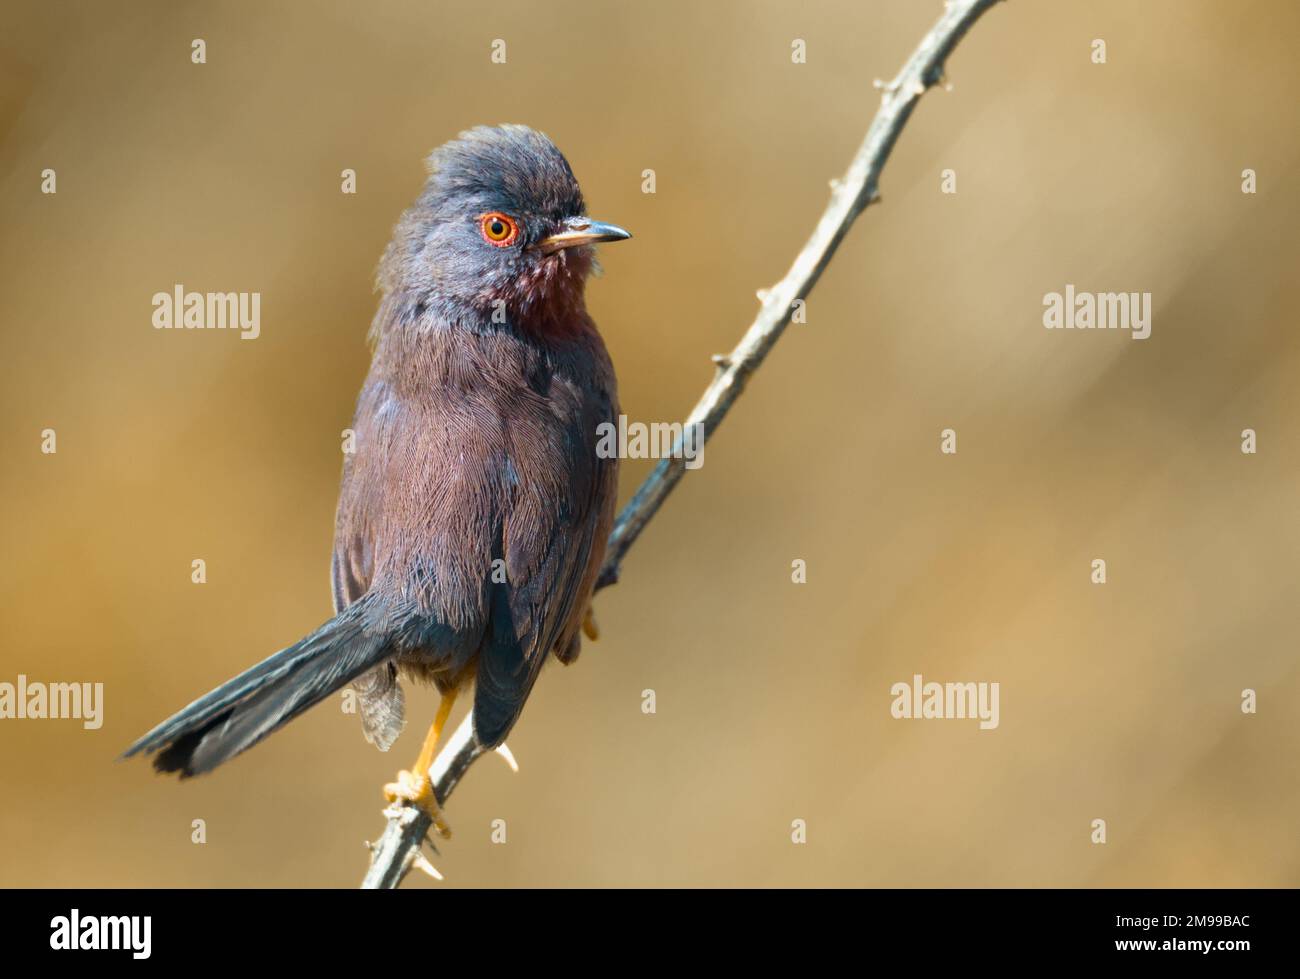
(415, 786)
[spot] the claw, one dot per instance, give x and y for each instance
(417, 791)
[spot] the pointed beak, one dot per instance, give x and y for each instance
(581, 231)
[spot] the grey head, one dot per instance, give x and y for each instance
(501, 226)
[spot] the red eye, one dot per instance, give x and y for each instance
(499, 229)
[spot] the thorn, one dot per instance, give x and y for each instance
(721, 360)
(608, 576)
(917, 89)
(836, 184)
(504, 751)
(763, 295)
(420, 863)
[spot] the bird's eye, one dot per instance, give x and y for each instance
(499, 229)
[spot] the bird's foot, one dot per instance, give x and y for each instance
(417, 791)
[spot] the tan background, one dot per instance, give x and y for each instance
(1119, 702)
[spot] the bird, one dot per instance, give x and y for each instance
(475, 508)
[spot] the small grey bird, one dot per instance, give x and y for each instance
(475, 510)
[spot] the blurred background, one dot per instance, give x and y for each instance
(1118, 701)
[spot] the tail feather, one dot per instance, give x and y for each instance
(244, 710)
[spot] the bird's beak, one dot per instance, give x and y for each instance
(581, 231)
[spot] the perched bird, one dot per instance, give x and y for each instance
(475, 510)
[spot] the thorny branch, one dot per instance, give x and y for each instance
(399, 848)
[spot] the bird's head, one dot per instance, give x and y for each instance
(500, 230)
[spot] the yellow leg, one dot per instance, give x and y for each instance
(415, 786)
(430, 749)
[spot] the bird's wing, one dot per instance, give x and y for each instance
(361, 499)
(554, 532)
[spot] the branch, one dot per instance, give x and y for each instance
(398, 850)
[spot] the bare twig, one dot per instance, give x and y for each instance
(407, 828)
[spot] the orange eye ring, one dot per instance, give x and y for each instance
(499, 230)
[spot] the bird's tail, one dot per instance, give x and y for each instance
(242, 711)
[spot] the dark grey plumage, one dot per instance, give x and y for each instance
(242, 711)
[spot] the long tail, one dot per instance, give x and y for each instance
(241, 712)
